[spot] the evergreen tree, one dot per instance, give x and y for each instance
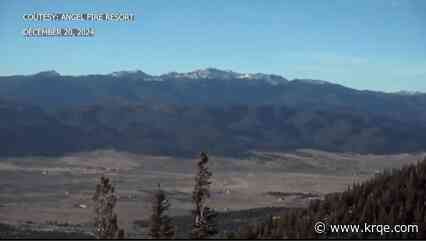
(106, 225)
(204, 218)
(396, 197)
(161, 226)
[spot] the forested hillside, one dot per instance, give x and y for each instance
(182, 130)
(223, 112)
(394, 197)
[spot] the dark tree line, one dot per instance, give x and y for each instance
(392, 197)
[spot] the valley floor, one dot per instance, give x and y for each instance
(46, 190)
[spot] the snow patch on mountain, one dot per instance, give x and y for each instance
(212, 73)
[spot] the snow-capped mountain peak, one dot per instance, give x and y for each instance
(127, 73)
(213, 73)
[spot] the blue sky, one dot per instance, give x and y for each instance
(364, 44)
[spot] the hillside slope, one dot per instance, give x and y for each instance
(210, 87)
(394, 198)
(184, 130)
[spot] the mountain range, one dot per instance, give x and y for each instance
(223, 112)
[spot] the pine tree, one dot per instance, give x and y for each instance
(204, 218)
(161, 226)
(106, 225)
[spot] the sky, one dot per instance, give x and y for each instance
(363, 44)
